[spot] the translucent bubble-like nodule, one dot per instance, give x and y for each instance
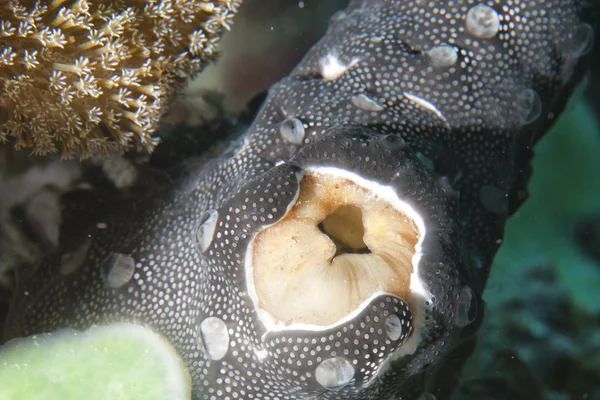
(483, 21)
(117, 269)
(366, 103)
(530, 106)
(206, 229)
(292, 130)
(583, 40)
(494, 199)
(214, 338)
(334, 373)
(393, 327)
(443, 56)
(467, 308)
(426, 396)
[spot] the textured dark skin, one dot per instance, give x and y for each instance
(444, 115)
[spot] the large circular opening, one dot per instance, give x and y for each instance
(338, 245)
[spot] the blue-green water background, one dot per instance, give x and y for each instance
(543, 295)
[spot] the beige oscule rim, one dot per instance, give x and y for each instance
(342, 242)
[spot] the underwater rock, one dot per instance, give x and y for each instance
(383, 294)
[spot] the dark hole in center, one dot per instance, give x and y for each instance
(345, 228)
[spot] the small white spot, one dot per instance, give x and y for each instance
(118, 269)
(530, 106)
(332, 67)
(334, 373)
(206, 229)
(214, 337)
(366, 103)
(426, 105)
(393, 327)
(483, 21)
(292, 130)
(443, 56)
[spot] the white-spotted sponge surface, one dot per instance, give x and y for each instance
(117, 362)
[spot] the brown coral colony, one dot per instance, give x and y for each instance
(85, 77)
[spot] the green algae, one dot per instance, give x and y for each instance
(116, 362)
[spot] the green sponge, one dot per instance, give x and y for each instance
(117, 362)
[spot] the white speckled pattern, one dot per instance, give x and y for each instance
(439, 101)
